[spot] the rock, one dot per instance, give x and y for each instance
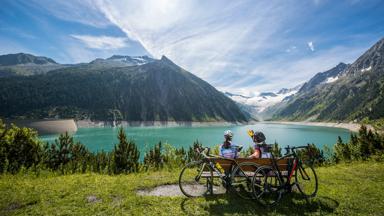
(93, 199)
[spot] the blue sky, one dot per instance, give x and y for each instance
(240, 46)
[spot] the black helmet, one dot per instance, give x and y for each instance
(258, 137)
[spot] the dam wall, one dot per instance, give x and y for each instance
(44, 127)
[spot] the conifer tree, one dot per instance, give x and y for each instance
(126, 154)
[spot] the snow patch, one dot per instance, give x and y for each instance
(366, 69)
(331, 79)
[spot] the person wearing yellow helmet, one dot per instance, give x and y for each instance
(261, 149)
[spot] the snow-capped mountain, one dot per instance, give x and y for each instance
(326, 77)
(263, 100)
(131, 60)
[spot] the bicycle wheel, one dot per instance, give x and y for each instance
(306, 180)
(195, 179)
(267, 186)
(241, 179)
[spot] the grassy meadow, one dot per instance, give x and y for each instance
(344, 189)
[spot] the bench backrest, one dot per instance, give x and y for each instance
(226, 164)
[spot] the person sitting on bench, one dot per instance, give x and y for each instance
(261, 149)
(228, 149)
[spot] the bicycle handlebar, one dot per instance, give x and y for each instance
(288, 149)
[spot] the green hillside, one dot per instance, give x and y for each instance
(344, 189)
(159, 90)
(357, 94)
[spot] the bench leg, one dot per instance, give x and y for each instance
(209, 186)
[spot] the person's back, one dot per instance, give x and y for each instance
(228, 149)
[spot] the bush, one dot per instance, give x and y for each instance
(102, 162)
(154, 158)
(3, 155)
(364, 145)
(311, 155)
(342, 151)
(192, 155)
(20, 147)
(276, 150)
(174, 157)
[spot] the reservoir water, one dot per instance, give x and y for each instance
(97, 139)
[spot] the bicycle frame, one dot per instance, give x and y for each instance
(296, 165)
(209, 160)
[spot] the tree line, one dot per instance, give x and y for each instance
(20, 148)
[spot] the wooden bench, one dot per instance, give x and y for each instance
(228, 164)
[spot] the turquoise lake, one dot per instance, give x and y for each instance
(97, 139)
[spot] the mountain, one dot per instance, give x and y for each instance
(26, 65)
(256, 105)
(121, 61)
(355, 93)
(157, 90)
(328, 76)
(22, 58)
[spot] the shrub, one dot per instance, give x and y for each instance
(20, 147)
(154, 157)
(192, 155)
(276, 150)
(342, 150)
(311, 155)
(174, 157)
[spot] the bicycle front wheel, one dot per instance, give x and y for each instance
(267, 186)
(306, 180)
(241, 179)
(195, 179)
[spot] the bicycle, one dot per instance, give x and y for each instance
(202, 177)
(270, 182)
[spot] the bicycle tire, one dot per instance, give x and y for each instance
(267, 186)
(191, 181)
(306, 180)
(241, 179)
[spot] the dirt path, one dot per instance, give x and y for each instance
(171, 191)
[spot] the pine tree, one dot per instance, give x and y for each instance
(364, 142)
(276, 150)
(355, 147)
(126, 154)
(154, 158)
(342, 151)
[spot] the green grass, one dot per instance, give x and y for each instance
(345, 189)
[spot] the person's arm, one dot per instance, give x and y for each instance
(256, 153)
(221, 151)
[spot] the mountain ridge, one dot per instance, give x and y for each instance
(159, 90)
(357, 94)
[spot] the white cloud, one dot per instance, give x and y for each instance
(281, 72)
(81, 11)
(239, 46)
(206, 42)
(102, 42)
(311, 46)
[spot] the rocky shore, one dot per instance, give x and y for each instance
(90, 124)
(354, 127)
